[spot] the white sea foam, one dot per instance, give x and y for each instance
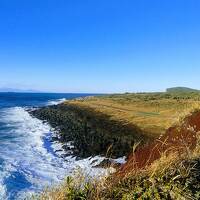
(25, 154)
(56, 102)
(24, 151)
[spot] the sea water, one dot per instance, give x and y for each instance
(29, 161)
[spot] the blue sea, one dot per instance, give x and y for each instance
(29, 161)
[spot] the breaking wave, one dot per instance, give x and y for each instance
(28, 161)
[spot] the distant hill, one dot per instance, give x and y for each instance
(181, 90)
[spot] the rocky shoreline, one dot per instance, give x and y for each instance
(92, 133)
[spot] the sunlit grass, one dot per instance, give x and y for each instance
(150, 112)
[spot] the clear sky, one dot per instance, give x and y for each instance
(99, 45)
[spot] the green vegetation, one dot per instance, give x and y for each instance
(118, 122)
(181, 90)
(171, 177)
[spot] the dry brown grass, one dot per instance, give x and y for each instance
(153, 116)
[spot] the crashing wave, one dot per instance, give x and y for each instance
(28, 165)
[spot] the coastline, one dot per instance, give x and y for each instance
(64, 145)
(89, 133)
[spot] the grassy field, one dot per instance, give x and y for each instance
(152, 112)
(173, 175)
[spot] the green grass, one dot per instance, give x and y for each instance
(148, 114)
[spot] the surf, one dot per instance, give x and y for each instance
(29, 159)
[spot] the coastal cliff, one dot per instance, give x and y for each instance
(92, 133)
(111, 125)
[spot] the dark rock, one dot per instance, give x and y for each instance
(93, 133)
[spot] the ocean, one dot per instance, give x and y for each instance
(29, 161)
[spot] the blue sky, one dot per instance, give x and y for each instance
(99, 45)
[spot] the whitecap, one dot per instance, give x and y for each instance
(56, 102)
